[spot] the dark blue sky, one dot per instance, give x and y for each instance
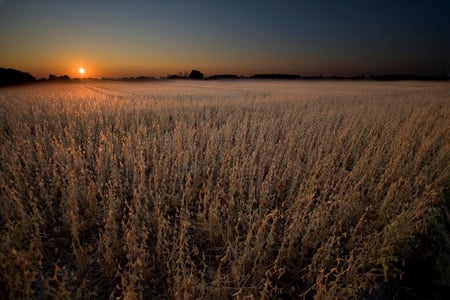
(130, 38)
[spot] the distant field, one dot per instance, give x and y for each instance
(234, 189)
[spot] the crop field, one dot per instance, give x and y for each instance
(225, 190)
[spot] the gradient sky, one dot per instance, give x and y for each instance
(156, 38)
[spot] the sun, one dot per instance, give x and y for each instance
(81, 71)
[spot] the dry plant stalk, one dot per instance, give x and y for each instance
(217, 190)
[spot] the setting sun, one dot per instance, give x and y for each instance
(81, 70)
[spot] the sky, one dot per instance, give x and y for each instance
(243, 37)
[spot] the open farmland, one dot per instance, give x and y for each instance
(212, 190)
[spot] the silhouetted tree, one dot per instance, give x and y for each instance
(173, 76)
(196, 74)
(12, 76)
(54, 77)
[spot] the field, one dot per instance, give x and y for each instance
(218, 190)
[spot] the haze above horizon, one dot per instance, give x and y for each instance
(138, 38)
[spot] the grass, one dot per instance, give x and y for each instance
(219, 190)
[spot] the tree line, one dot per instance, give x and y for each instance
(12, 77)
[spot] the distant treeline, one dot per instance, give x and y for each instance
(409, 77)
(12, 76)
(131, 78)
(389, 77)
